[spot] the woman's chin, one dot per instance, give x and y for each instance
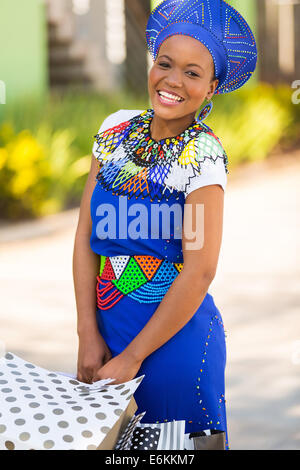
(167, 112)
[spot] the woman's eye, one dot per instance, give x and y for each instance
(193, 74)
(166, 65)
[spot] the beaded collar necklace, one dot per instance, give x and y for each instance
(134, 164)
(145, 150)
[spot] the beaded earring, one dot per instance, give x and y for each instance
(205, 112)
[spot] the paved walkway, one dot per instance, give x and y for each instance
(256, 290)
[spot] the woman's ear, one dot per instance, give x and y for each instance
(212, 89)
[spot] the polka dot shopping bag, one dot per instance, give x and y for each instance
(43, 410)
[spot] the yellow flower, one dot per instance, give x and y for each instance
(24, 152)
(3, 157)
(23, 180)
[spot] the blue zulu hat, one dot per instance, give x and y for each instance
(218, 26)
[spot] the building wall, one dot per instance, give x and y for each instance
(23, 48)
(85, 47)
(91, 29)
(279, 40)
(136, 65)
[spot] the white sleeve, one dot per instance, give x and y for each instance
(210, 166)
(113, 120)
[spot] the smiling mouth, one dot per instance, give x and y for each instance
(169, 97)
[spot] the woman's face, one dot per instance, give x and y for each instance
(181, 77)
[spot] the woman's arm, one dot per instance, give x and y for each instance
(93, 351)
(188, 289)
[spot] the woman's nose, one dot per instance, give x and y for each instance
(174, 78)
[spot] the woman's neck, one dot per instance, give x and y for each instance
(162, 128)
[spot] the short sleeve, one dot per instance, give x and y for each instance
(113, 120)
(210, 166)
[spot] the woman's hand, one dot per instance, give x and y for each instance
(122, 368)
(93, 353)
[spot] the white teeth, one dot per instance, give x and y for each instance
(169, 96)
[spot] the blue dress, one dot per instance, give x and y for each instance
(137, 213)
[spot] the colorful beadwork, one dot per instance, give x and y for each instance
(217, 25)
(136, 165)
(145, 279)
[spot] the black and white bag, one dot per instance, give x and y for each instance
(168, 436)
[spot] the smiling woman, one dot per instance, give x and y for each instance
(142, 301)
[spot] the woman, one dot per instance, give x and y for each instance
(143, 305)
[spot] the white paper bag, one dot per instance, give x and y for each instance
(40, 409)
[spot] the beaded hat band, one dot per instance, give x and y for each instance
(217, 25)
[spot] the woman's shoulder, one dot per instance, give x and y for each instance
(204, 161)
(119, 117)
(210, 145)
(115, 124)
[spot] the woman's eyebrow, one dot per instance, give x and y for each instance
(195, 65)
(188, 65)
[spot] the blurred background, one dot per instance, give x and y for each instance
(64, 66)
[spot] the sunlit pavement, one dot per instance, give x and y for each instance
(256, 290)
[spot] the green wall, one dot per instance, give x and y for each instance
(23, 48)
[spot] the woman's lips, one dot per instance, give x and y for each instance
(168, 101)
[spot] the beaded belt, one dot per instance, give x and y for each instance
(143, 278)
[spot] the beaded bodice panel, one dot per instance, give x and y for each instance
(135, 165)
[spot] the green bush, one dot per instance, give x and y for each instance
(252, 122)
(45, 151)
(45, 148)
